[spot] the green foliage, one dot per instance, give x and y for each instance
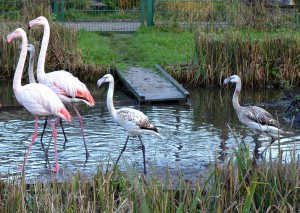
(145, 47)
(121, 4)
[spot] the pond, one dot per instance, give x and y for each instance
(193, 134)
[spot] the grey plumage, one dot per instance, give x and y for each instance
(256, 118)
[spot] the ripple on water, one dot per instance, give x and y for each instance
(192, 137)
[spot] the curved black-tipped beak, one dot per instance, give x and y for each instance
(226, 80)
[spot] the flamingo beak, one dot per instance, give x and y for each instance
(100, 81)
(10, 37)
(31, 23)
(226, 80)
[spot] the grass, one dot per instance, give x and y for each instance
(145, 47)
(101, 54)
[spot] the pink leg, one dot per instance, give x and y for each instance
(56, 168)
(56, 124)
(82, 132)
(32, 141)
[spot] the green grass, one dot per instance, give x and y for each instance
(145, 47)
(96, 48)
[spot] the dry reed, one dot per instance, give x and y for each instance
(240, 184)
(62, 51)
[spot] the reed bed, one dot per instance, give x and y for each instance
(215, 14)
(240, 184)
(261, 58)
(62, 50)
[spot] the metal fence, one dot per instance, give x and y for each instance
(128, 15)
(107, 15)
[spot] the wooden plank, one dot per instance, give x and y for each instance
(130, 87)
(152, 86)
(171, 79)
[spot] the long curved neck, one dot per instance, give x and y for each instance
(30, 68)
(19, 70)
(110, 93)
(235, 98)
(42, 57)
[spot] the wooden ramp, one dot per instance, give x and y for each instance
(150, 85)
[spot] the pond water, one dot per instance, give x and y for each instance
(193, 134)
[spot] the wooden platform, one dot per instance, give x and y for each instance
(150, 85)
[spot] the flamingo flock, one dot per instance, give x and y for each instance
(58, 89)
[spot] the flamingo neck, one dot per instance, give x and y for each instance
(20, 66)
(235, 98)
(42, 57)
(30, 68)
(110, 104)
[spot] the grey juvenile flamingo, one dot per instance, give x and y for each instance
(133, 121)
(256, 118)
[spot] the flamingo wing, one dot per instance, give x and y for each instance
(133, 117)
(65, 85)
(39, 100)
(261, 116)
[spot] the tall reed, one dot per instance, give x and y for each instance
(62, 51)
(215, 14)
(240, 184)
(261, 59)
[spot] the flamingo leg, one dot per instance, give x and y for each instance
(56, 124)
(59, 121)
(143, 150)
(123, 149)
(82, 132)
(45, 124)
(32, 141)
(271, 142)
(63, 130)
(56, 168)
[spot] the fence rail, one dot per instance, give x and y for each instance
(128, 15)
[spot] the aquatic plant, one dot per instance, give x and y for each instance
(240, 184)
(261, 58)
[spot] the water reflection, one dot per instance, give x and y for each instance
(194, 134)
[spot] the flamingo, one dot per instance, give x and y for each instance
(68, 88)
(38, 99)
(31, 51)
(256, 118)
(133, 121)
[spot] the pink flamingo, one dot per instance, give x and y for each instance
(31, 51)
(38, 99)
(68, 88)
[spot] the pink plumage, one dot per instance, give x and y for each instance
(68, 88)
(38, 99)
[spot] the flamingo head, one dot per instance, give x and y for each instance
(105, 79)
(15, 34)
(30, 48)
(41, 20)
(232, 79)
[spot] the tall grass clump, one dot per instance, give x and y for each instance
(240, 184)
(260, 58)
(62, 51)
(232, 13)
